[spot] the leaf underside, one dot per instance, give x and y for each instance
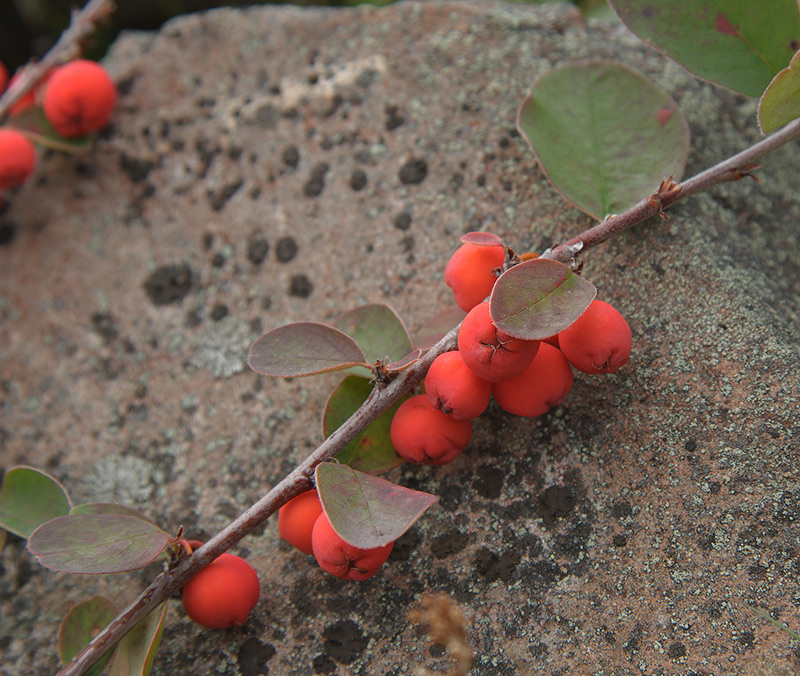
(367, 511)
(97, 543)
(604, 135)
(303, 349)
(538, 298)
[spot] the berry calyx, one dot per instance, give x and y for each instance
(17, 158)
(542, 385)
(222, 594)
(469, 272)
(296, 520)
(599, 341)
(455, 390)
(79, 98)
(341, 559)
(489, 352)
(425, 436)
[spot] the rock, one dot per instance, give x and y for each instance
(631, 530)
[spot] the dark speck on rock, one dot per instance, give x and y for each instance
(300, 286)
(253, 656)
(218, 198)
(393, 118)
(286, 249)
(316, 181)
(402, 221)
(358, 180)
(323, 665)
(291, 157)
(7, 232)
(257, 249)
(104, 326)
(344, 641)
(557, 501)
(413, 172)
(218, 312)
(137, 170)
(218, 260)
(489, 482)
(168, 284)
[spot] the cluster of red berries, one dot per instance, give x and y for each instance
(76, 98)
(525, 377)
(304, 525)
(223, 593)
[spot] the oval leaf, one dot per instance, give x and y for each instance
(436, 327)
(604, 135)
(80, 626)
(303, 349)
(97, 543)
(538, 298)
(741, 45)
(137, 650)
(781, 101)
(372, 451)
(108, 508)
(482, 238)
(377, 329)
(30, 497)
(367, 511)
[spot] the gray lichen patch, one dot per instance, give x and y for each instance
(222, 346)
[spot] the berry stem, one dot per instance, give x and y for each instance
(82, 24)
(383, 396)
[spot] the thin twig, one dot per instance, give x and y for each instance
(82, 24)
(300, 479)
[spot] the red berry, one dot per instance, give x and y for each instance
(469, 272)
(3, 77)
(222, 594)
(544, 384)
(489, 352)
(79, 98)
(599, 341)
(17, 158)
(296, 520)
(425, 436)
(343, 560)
(455, 390)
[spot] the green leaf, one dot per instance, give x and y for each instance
(372, 451)
(605, 136)
(137, 650)
(81, 624)
(780, 103)
(30, 497)
(97, 543)
(735, 43)
(108, 508)
(377, 329)
(304, 349)
(33, 123)
(538, 298)
(367, 511)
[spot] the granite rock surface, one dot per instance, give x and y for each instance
(279, 164)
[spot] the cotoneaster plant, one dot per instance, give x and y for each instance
(532, 298)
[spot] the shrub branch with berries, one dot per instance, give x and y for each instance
(525, 322)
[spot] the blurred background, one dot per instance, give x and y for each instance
(29, 27)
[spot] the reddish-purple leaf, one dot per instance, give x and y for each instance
(304, 349)
(435, 328)
(481, 238)
(97, 543)
(539, 298)
(367, 511)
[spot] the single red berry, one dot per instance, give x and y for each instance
(599, 341)
(425, 436)
(296, 520)
(17, 158)
(79, 98)
(222, 594)
(341, 559)
(469, 272)
(544, 384)
(455, 390)
(490, 353)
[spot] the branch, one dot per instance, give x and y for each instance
(382, 397)
(82, 24)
